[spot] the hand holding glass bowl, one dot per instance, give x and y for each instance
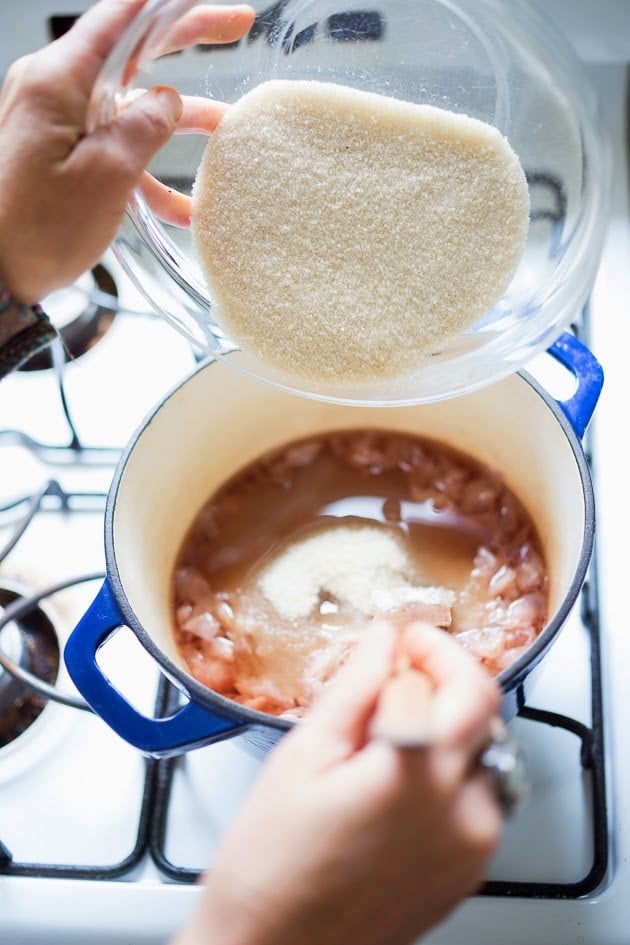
(502, 64)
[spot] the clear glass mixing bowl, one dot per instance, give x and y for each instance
(498, 61)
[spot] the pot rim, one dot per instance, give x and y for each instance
(509, 680)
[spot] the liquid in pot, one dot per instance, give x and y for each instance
(286, 563)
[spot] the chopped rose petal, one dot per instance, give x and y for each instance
(203, 625)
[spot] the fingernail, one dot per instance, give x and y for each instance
(170, 96)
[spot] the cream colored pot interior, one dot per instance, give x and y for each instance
(219, 420)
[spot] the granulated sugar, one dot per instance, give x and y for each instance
(366, 568)
(347, 235)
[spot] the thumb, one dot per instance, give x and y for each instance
(136, 134)
(146, 125)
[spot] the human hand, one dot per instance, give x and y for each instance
(349, 839)
(64, 191)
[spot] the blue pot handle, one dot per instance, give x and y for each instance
(589, 375)
(190, 726)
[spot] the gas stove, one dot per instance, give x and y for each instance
(100, 845)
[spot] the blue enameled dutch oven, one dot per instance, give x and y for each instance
(217, 421)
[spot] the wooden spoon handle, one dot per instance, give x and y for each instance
(403, 714)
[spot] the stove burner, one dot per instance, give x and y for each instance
(82, 314)
(29, 642)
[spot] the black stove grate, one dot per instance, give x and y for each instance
(592, 762)
(140, 844)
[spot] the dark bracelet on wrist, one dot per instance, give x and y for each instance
(24, 330)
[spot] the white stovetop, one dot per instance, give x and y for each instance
(85, 813)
